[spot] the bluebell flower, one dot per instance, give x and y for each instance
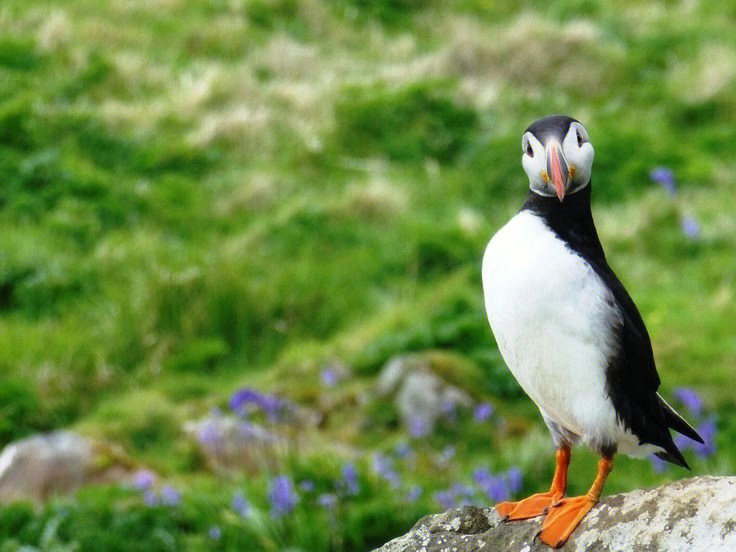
(243, 397)
(282, 496)
(170, 496)
(414, 493)
(209, 433)
(445, 499)
(143, 480)
(306, 486)
(330, 377)
(418, 427)
(150, 498)
(514, 480)
(350, 479)
(327, 500)
(483, 411)
(690, 226)
(658, 464)
(691, 399)
(496, 487)
(665, 178)
(447, 454)
(240, 505)
(383, 466)
(402, 450)
(707, 431)
(214, 533)
(462, 493)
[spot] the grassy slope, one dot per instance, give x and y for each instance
(196, 198)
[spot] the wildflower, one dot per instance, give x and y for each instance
(306, 486)
(690, 226)
(690, 399)
(209, 433)
(350, 479)
(383, 466)
(240, 505)
(282, 496)
(514, 480)
(665, 178)
(170, 496)
(327, 500)
(658, 464)
(707, 431)
(242, 397)
(143, 480)
(330, 377)
(414, 493)
(462, 492)
(214, 533)
(447, 454)
(447, 408)
(150, 498)
(494, 486)
(402, 450)
(483, 411)
(418, 427)
(445, 499)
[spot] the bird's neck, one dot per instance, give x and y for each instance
(571, 220)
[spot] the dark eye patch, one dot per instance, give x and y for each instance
(529, 150)
(580, 138)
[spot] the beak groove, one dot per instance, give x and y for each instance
(557, 169)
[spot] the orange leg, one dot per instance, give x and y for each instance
(537, 504)
(565, 516)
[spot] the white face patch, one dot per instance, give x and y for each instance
(578, 152)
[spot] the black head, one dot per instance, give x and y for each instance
(558, 157)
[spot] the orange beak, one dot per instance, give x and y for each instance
(557, 168)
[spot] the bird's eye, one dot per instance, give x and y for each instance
(529, 150)
(580, 138)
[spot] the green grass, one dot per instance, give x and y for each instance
(197, 197)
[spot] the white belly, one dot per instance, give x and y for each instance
(552, 317)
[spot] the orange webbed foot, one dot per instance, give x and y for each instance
(563, 518)
(535, 505)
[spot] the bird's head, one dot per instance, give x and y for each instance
(557, 158)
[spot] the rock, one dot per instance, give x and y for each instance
(231, 443)
(421, 396)
(687, 515)
(57, 463)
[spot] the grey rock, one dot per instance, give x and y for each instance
(687, 515)
(57, 463)
(230, 443)
(421, 396)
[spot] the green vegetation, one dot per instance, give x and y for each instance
(197, 197)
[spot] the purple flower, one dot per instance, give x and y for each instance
(282, 496)
(497, 488)
(240, 505)
(462, 492)
(170, 496)
(447, 408)
(350, 479)
(414, 493)
(483, 411)
(330, 377)
(690, 226)
(214, 533)
(707, 431)
(150, 498)
(243, 397)
(402, 450)
(418, 427)
(383, 466)
(143, 480)
(445, 499)
(209, 433)
(306, 486)
(658, 464)
(665, 178)
(447, 454)
(690, 398)
(327, 500)
(514, 480)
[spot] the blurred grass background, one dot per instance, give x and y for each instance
(198, 197)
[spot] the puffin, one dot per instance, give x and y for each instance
(569, 331)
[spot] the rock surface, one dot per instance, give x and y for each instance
(57, 463)
(687, 515)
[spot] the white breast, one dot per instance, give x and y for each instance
(552, 318)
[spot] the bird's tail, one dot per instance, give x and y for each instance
(677, 422)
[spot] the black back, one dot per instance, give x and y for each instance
(631, 376)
